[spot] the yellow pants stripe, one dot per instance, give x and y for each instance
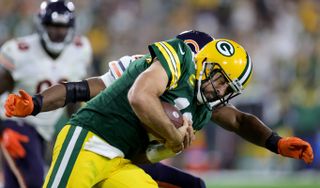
(75, 167)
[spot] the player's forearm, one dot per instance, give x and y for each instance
(150, 112)
(53, 98)
(60, 95)
(96, 85)
(144, 99)
(253, 130)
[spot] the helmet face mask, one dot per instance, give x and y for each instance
(213, 76)
(54, 42)
(229, 60)
(55, 23)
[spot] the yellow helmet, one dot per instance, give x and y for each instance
(228, 58)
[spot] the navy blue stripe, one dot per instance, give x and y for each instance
(121, 66)
(112, 75)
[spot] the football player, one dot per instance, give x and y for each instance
(34, 63)
(55, 97)
(110, 124)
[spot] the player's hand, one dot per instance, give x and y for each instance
(177, 145)
(189, 137)
(12, 140)
(295, 148)
(19, 105)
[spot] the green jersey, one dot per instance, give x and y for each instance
(110, 116)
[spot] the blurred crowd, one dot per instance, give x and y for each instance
(282, 37)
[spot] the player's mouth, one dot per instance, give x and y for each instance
(211, 96)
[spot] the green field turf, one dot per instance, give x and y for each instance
(242, 179)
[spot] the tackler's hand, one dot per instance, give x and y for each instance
(295, 148)
(19, 105)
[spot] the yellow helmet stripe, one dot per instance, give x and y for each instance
(245, 75)
(173, 61)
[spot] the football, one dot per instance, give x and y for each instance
(173, 114)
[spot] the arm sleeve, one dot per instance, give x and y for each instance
(107, 79)
(116, 69)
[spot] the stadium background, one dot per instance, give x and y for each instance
(283, 39)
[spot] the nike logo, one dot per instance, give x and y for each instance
(180, 49)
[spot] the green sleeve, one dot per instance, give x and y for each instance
(171, 55)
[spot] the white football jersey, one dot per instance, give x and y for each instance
(34, 70)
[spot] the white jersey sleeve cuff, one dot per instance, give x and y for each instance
(107, 79)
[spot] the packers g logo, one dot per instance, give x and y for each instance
(225, 48)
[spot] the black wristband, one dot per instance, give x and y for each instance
(77, 91)
(37, 104)
(272, 142)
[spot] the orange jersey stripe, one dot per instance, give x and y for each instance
(194, 43)
(115, 69)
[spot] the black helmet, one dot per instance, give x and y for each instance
(59, 14)
(196, 40)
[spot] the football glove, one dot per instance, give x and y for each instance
(295, 148)
(19, 105)
(11, 140)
